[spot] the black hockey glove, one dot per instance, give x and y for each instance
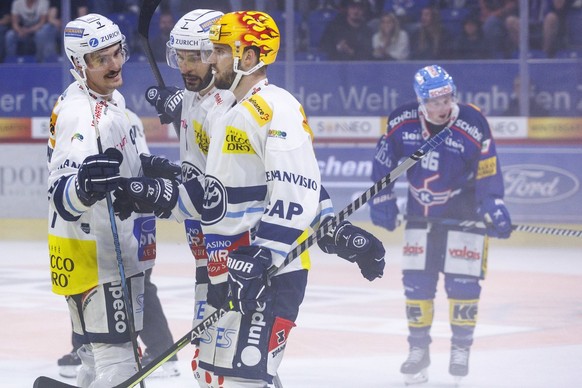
(354, 244)
(158, 167)
(247, 277)
(384, 211)
(496, 217)
(97, 175)
(167, 101)
(145, 195)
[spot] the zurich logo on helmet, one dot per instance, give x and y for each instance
(94, 42)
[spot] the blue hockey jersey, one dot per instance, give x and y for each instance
(452, 180)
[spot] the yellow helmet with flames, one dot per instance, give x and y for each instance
(247, 29)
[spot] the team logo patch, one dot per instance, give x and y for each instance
(215, 200)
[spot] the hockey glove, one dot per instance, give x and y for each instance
(97, 175)
(384, 211)
(354, 244)
(247, 277)
(167, 101)
(496, 217)
(158, 167)
(146, 194)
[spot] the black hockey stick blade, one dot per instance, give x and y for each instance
(327, 226)
(146, 12)
(47, 382)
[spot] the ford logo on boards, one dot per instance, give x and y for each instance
(537, 183)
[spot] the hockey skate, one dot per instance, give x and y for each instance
(69, 364)
(459, 362)
(167, 369)
(415, 368)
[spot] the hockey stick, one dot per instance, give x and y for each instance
(324, 229)
(120, 266)
(146, 12)
(481, 225)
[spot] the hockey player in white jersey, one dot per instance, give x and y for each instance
(81, 245)
(189, 201)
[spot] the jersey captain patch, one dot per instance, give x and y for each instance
(259, 109)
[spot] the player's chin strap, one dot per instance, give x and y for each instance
(472, 225)
(424, 116)
(240, 73)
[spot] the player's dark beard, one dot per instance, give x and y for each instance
(201, 83)
(225, 81)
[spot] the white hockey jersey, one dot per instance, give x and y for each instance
(262, 183)
(81, 245)
(197, 111)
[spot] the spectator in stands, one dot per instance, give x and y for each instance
(5, 22)
(547, 25)
(30, 30)
(494, 14)
(430, 40)
(78, 8)
(408, 12)
(347, 37)
(535, 109)
(158, 41)
(470, 44)
(390, 41)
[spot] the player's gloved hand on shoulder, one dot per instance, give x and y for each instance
(167, 101)
(97, 175)
(384, 211)
(354, 244)
(157, 167)
(145, 195)
(496, 217)
(247, 277)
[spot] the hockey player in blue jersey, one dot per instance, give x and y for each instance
(461, 180)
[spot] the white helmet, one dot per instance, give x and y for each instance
(190, 32)
(90, 33)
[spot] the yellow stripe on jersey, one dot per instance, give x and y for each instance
(68, 275)
(201, 137)
(236, 142)
(487, 167)
(259, 109)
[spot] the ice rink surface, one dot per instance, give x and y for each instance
(351, 333)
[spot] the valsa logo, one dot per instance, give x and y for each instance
(536, 183)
